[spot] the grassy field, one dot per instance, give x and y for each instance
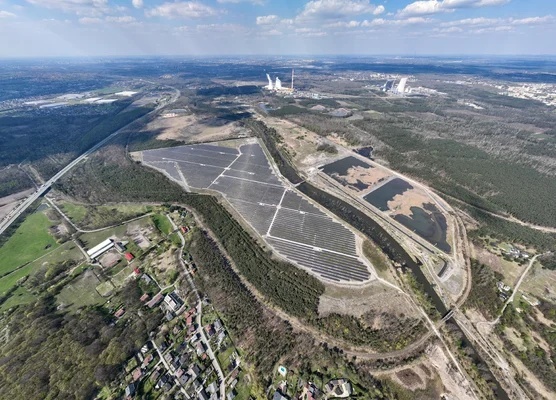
(75, 212)
(121, 277)
(162, 223)
(95, 217)
(93, 238)
(20, 296)
(67, 251)
(105, 289)
(224, 357)
(81, 292)
(29, 242)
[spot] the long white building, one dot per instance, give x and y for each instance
(100, 248)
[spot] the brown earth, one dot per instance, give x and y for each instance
(402, 203)
(192, 128)
(374, 296)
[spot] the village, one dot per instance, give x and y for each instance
(191, 354)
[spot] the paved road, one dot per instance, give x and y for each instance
(16, 213)
(212, 356)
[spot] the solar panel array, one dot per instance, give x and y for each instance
(294, 227)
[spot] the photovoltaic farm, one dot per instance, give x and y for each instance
(289, 223)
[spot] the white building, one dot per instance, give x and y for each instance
(100, 248)
(401, 86)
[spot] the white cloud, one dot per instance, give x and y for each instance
(379, 10)
(471, 22)
(427, 7)
(6, 14)
(309, 32)
(228, 28)
(343, 24)
(255, 2)
(547, 19)
(452, 29)
(335, 9)
(267, 20)
(491, 25)
(396, 22)
(137, 3)
(182, 9)
(90, 20)
(122, 20)
(79, 7)
(272, 32)
(492, 22)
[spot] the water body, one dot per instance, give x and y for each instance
(365, 152)
(381, 196)
(397, 253)
(380, 236)
(341, 167)
(429, 223)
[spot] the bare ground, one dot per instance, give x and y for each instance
(192, 128)
(455, 388)
(357, 301)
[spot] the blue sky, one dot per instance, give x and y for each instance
(274, 27)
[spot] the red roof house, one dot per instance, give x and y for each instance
(128, 256)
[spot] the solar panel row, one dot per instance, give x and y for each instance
(298, 230)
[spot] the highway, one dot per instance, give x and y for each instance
(20, 209)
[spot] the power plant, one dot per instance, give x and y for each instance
(400, 89)
(276, 86)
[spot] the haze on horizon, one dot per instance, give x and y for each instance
(39, 28)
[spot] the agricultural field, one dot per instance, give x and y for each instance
(162, 223)
(29, 242)
(81, 292)
(95, 217)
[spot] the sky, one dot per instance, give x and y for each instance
(52, 28)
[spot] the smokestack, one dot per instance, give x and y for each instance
(292, 79)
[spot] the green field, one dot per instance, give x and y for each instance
(224, 357)
(67, 251)
(95, 217)
(93, 238)
(105, 289)
(75, 212)
(19, 296)
(29, 242)
(81, 292)
(162, 223)
(121, 277)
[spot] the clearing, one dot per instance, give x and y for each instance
(81, 292)
(30, 241)
(357, 301)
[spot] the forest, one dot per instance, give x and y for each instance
(266, 339)
(57, 354)
(484, 295)
(498, 228)
(533, 355)
(469, 174)
(49, 140)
